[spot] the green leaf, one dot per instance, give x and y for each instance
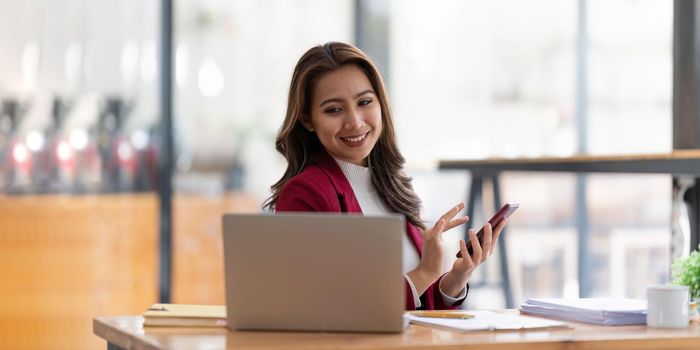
(686, 272)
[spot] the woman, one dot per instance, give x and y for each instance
(338, 139)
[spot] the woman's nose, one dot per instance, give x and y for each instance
(353, 120)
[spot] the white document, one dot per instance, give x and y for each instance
(603, 311)
(595, 304)
(487, 321)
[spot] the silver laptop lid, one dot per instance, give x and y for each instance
(314, 272)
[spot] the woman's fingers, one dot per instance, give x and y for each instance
(497, 233)
(499, 227)
(465, 254)
(439, 226)
(476, 247)
(480, 250)
(446, 222)
(486, 242)
(452, 212)
(456, 222)
(463, 248)
(448, 218)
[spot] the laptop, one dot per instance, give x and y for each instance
(314, 272)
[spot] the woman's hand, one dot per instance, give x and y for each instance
(430, 267)
(455, 280)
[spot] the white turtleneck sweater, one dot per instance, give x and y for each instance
(370, 203)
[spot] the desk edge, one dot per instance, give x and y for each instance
(117, 336)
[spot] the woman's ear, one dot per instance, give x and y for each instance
(305, 123)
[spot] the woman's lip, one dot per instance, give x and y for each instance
(356, 141)
(353, 136)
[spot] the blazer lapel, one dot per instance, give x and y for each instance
(346, 196)
(349, 202)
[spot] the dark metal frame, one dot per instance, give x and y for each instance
(358, 19)
(476, 194)
(165, 188)
(112, 346)
(647, 165)
(582, 227)
(686, 89)
(377, 44)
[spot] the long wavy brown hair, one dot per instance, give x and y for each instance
(300, 146)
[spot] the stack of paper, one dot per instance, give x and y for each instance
(603, 311)
(486, 321)
(183, 315)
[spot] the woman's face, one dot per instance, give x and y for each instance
(346, 114)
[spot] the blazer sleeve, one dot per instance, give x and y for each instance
(410, 305)
(304, 194)
(439, 302)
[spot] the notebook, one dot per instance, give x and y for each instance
(314, 272)
(487, 321)
(184, 315)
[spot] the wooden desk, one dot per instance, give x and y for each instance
(679, 162)
(127, 332)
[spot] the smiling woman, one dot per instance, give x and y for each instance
(339, 142)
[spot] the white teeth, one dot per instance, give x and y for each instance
(355, 139)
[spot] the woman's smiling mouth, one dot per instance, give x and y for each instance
(355, 139)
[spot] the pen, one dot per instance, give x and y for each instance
(442, 314)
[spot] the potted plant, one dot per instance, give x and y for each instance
(686, 272)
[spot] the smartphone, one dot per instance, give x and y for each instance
(501, 214)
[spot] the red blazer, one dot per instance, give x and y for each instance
(322, 187)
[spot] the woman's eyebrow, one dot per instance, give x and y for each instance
(368, 91)
(333, 99)
(338, 99)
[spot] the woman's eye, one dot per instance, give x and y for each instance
(333, 110)
(365, 102)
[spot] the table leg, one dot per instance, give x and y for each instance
(692, 199)
(503, 254)
(582, 229)
(475, 195)
(475, 189)
(111, 346)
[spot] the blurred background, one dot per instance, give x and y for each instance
(80, 139)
